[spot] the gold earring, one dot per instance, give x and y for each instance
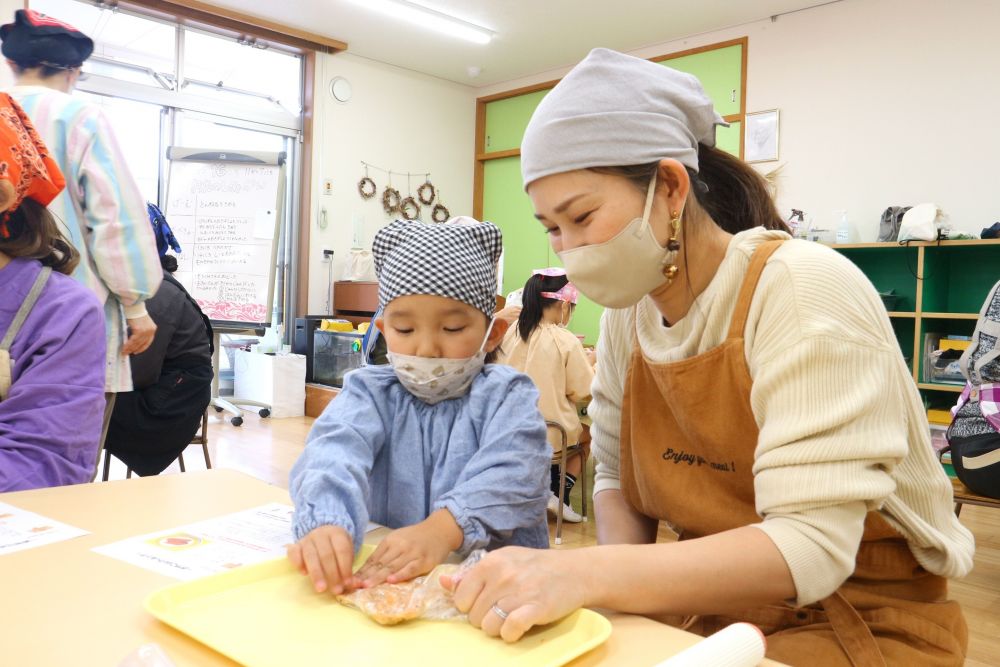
(673, 245)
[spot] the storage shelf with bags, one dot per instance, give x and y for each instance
(940, 287)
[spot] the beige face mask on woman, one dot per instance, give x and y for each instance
(622, 270)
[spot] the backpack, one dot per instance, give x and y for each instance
(977, 463)
(892, 219)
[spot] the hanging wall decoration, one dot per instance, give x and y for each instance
(366, 186)
(409, 209)
(440, 213)
(393, 202)
(426, 192)
(391, 199)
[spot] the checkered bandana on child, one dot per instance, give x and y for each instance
(458, 261)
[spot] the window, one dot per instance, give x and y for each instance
(195, 130)
(138, 130)
(126, 47)
(164, 85)
(245, 73)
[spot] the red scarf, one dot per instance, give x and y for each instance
(26, 168)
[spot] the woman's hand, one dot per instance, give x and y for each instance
(409, 552)
(326, 555)
(530, 586)
(140, 335)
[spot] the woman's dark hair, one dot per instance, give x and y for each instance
(533, 304)
(727, 188)
(169, 263)
(34, 234)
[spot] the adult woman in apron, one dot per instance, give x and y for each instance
(750, 392)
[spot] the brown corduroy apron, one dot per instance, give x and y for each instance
(687, 450)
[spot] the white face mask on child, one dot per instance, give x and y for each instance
(433, 379)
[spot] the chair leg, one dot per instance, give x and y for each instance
(204, 439)
(128, 473)
(559, 504)
(107, 465)
(583, 486)
(958, 509)
(180, 459)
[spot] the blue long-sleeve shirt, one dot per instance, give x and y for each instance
(378, 453)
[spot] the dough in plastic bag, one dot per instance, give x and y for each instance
(423, 597)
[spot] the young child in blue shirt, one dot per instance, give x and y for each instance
(449, 451)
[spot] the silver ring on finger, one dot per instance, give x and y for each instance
(499, 612)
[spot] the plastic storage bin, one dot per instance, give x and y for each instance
(334, 354)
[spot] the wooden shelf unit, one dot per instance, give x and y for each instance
(941, 287)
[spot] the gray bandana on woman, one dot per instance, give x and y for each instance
(618, 110)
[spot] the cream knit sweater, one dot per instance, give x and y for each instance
(842, 426)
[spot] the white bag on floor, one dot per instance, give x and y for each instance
(276, 379)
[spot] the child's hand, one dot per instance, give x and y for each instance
(412, 551)
(326, 554)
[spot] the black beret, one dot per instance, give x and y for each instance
(36, 39)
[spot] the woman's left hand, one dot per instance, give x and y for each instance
(529, 587)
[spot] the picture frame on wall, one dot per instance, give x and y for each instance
(761, 138)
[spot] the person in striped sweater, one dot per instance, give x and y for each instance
(101, 211)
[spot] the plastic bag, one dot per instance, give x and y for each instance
(423, 597)
(921, 223)
(360, 266)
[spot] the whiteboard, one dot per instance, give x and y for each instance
(225, 209)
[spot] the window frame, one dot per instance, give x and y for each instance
(296, 129)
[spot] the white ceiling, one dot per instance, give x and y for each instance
(531, 35)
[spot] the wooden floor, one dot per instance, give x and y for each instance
(267, 448)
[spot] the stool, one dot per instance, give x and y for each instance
(965, 496)
(567, 452)
(200, 438)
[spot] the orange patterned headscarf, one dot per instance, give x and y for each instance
(26, 169)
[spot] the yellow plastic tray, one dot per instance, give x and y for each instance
(268, 615)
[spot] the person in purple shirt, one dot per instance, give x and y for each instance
(52, 343)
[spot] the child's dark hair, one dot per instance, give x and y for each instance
(34, 234)
(533, 304)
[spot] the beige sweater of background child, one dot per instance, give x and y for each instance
(842, 426)
(555, 361)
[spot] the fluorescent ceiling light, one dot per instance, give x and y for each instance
(430, 19)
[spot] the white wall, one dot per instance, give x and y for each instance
(883, 102)
(396, 119)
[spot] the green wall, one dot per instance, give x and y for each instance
(720, 72)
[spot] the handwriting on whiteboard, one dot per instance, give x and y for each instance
(224, 217)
